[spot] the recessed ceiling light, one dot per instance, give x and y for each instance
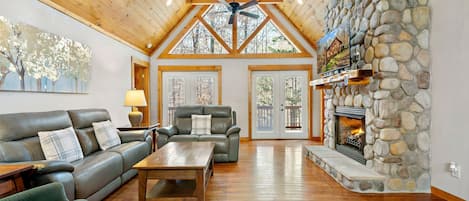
(169, 2)
(300, 2)
(149, 45)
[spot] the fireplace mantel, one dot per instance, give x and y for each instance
(352, 77)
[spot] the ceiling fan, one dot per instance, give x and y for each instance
(235, 8)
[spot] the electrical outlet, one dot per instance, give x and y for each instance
(455, 169)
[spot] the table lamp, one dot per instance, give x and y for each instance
(134, 99)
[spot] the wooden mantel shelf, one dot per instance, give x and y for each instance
(351, 77)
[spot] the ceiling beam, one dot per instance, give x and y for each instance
(207, 2)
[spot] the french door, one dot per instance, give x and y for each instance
(279, 105)
(187, 88)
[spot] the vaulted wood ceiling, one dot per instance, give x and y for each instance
(139, 22)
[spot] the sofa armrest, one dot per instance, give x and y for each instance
(47, 166)
(168, 131)
(233, 129)
(49, 192)
(135, 135)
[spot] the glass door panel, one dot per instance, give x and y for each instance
(187, 88)
(279, 105)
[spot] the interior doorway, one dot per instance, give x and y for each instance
(141, 81)
(280, 102)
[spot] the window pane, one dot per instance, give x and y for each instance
(198, 41)
(218, 17)
(176, 96)
(264, 102)
(293, 103)
(270, 40)
(247, 25)
(204, 90)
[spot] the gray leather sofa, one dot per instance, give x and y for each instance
(224, 132)
(93, 177)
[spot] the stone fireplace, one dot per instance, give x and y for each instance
(350, 129)
(392, 108)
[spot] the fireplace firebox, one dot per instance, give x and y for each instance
(350, 132)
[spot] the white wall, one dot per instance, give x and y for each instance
(450, 82)
(110, 65)
(235, 75)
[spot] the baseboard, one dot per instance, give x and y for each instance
(317, 139)
(445, 195)
(244, 139)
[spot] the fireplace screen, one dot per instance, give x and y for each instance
(351, 132)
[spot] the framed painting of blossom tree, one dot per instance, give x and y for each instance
(32, 60)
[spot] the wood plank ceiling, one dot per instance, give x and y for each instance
(139, 22)
(307, 17)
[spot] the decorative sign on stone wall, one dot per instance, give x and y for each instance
(32, 60)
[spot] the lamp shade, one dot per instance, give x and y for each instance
(135, 98)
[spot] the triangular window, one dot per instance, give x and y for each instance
(270, 40)
(198, 41)
(217, 17)
(210, 36)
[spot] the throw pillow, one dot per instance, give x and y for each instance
(60, 145)
(201, 124)
(106, 134)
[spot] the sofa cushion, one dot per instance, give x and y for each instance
(85, 117)
(24, 125)
(88, 142)
(201, 124)
(106, 134)
(182, 117)
(96, 171)
(60, 145)
(131, 153)
(188, 111)
(183, 125)
(28, 149)
(220, 140)
(184, 138)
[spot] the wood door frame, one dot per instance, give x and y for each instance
(285, 67)
(142, 63)
(168, 68)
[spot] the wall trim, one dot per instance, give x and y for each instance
(445, 195)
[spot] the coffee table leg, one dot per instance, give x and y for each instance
(154, 139)
(200, 185)
(142, 185)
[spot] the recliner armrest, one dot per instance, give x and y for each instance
(47, 166)
(233, 129)
(169, 131)
(135, 135)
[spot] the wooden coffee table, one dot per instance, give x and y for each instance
(182, 168)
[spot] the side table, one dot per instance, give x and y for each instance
(144, 126)
(11, 178)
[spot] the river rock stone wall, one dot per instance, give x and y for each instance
(393, 37)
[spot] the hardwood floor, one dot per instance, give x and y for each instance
(273, 170)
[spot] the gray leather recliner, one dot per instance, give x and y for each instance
(224, 131)
(92, 178)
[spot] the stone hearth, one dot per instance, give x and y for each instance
(393, 36)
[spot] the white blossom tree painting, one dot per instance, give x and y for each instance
(34, 60)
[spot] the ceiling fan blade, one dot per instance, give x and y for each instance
(251, 15)
(225, 3)
(248, 4)
(232, 18)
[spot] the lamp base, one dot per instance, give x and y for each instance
(135, 118)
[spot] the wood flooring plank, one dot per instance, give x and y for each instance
(273, 170)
